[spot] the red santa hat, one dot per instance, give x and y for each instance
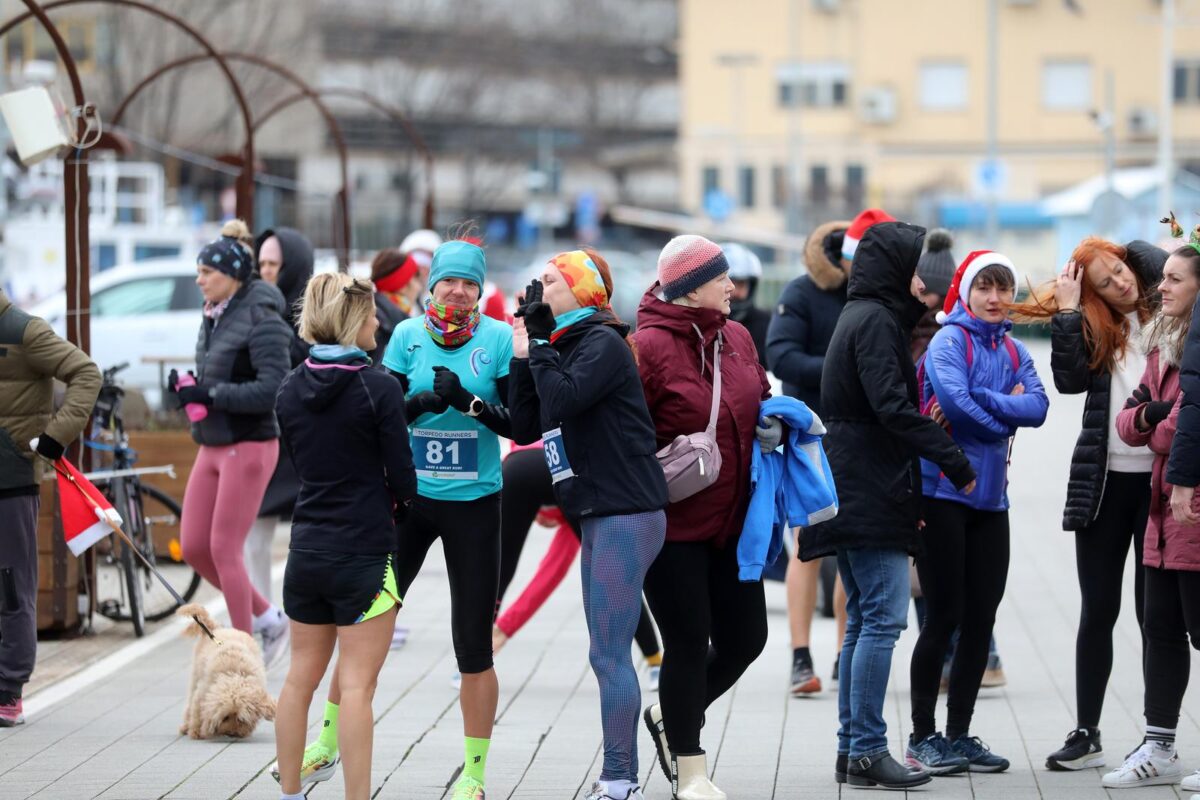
(975, 262)
(854, 234)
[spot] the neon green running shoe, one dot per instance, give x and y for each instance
(319, 764)
(468, 788)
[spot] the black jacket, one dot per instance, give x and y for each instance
(588, 385)
(294, 276)
(345, 430)
(806, 316)
(1183, 468)
(875, 434)
(243, 359)
(1069, 359)
(757, 322)
(389, 316)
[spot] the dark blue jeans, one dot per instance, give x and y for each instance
(877, 592)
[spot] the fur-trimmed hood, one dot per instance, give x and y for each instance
(823, 253)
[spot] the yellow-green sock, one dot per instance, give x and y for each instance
(328, 737)
(476, 760)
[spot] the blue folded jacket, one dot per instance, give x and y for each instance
(791, 486)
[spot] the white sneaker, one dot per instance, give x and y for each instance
(600, 792)
(1191, 783)
(275, 637)
(1151, 764)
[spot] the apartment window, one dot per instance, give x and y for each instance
(710, 180)
(821, 84)
(856, 185)
(1067, 85)
(1187, 82)
(746, 187)
(942, 86)
(779, 186)
(818, 184)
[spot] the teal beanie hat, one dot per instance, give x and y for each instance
(458, 259)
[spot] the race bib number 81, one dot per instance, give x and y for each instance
(446, 455)
(556, 455)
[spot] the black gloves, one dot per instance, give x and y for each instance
(1156, 411)
(448, 387)
(1140, 395)
(193, 394)
(424, 403)
(49, 448)
(400, 513)
(539, 319)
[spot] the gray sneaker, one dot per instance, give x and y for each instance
(275, 637)
(934, 755)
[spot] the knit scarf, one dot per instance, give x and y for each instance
(214, 310)
(336, 352)
(400, 301)
(565, 321)
(451, 326)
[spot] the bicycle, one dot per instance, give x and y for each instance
(126, 589)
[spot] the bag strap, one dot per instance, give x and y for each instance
(716, 401)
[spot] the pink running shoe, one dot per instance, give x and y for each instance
(11, 713)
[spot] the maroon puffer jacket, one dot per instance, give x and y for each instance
(669, 339)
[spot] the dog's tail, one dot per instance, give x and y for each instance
(199, 612)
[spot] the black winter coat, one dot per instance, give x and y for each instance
(243, 359)
(345, 430)
(1069, 359)
(389, 316)
(757, 322)
(875, 434)
(806, 316)
(1183, 468)
(294, 276)
(588, 385)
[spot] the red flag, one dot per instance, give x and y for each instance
(83, 508)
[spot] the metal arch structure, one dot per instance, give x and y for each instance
(75, 186)
(395, 114)
(245, 182)
(341, 228)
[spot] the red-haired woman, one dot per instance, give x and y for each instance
(1097, 306)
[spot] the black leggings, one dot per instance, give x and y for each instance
(1172, 617)
(1100, 553)
(527, 488)
(696, 597)
(469, 531)
(963, 567)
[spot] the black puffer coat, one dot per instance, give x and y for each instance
(876, 435)
(1069, 358)
(806, 316)
(243, 359)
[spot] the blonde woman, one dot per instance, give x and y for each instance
(345, 428)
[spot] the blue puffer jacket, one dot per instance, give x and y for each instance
(978, 403)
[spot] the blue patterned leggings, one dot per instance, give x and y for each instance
(617, 552)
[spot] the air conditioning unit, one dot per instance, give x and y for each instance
(1143, 122)
(828, 6)
(878, 106)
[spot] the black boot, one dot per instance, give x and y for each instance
(883, 771)
(839, 769)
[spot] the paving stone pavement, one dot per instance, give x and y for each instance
(119, 740)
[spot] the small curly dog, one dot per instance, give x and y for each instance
(227, 693)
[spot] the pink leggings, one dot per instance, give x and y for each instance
(220, 504)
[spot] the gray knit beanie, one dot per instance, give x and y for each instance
(937, 265)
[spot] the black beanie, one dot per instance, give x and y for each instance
(936, 267)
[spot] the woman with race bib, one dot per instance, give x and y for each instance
(576, 387)
(453, 364)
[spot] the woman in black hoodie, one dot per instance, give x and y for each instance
(345, 428)
(284, 259)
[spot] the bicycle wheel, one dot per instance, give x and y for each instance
(160, 514)
(128, 506)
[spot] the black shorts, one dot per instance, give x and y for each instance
(327, 588)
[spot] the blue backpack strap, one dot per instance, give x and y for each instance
(1013, 355)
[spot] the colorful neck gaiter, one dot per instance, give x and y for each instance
(451, 326)
(561, 323)
(400, 301)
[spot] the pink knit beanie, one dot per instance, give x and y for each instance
(687, 263)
